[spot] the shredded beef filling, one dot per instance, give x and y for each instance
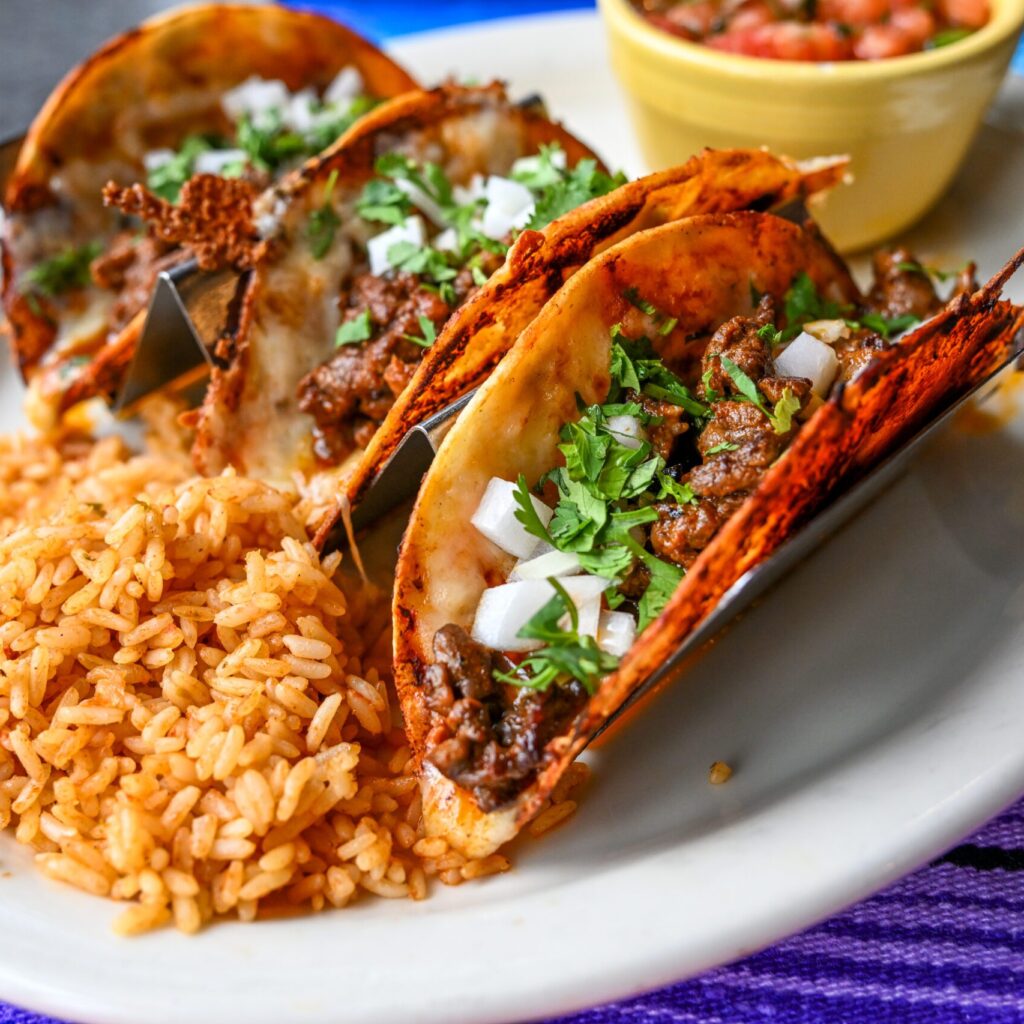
(350, 395)
(491, 738)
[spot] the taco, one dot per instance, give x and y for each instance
(241, 91)
(360, 258)
(673, 415)
(539, 263)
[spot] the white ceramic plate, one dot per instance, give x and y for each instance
(871, 707)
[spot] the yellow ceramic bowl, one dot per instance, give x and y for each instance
(906, 122)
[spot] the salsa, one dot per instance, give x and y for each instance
(818, 30)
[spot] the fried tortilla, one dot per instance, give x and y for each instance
(675, 413)
(239, 90)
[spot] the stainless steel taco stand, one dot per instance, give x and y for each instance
(186, 317)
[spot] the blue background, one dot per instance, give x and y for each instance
(382, 19)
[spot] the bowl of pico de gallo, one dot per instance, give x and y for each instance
(899, 85)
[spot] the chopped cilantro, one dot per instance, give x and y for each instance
(722, 446)
(665, 577)
(429, 335)
(612, 561)
(383, 201)
(527, 513)
(565, 655)
(770, 334)
(887, 326)
(323, 222)
(68, 269)
(671, 488)
(665, 324)
(913, 267)
(634, 366)
(574, 188)
(709, 392)
(166, 180)
(633, 297)
(803, 305)
(744, 385)
(785, 409)
(267, 143)
(947, 37)
(352, 332)
(542, 171)
(781, 418)
(424, 260)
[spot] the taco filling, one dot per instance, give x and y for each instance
(436, 244)
(366, 252)
(645, 481)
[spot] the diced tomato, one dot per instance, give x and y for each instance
(968, 13)
(751, 15)
(660, 21)
(853, 12)
(879, 41)
(785, 40)
(916, 23)
(815, 30)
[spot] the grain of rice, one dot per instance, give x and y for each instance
(552, 816)
(195, 714)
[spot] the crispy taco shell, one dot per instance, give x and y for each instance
(290, 314)
(482, 331)
(145, 90)
(700, 271)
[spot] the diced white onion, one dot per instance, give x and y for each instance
(423, 202)
(412, 230)
(267, 214)
(213, 161)
(347, 85)
(255, 96)
(810, 358)
(299, 113)
(466, 194)
(531, 164)
(447, 241)
(551, 563)
(157, 158)
(509, 206)
(828, 331)
(495, 518)
(628, 430)
(616, 632)
(504, 610)
(586, 592)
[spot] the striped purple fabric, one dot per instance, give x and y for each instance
(944, 946)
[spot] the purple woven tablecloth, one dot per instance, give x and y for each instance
(944, 946)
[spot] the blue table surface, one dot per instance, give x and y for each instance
(384, 19)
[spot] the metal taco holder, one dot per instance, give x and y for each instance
(187, 313)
